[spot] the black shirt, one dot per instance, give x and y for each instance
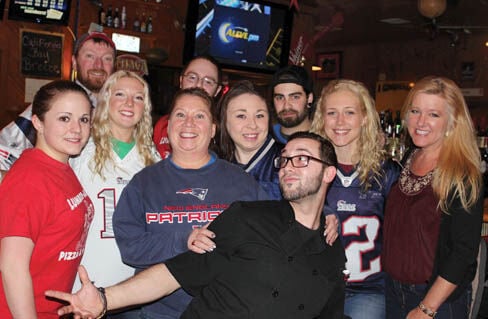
(266, 265)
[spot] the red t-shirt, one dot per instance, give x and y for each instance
(160, 137)
(41, 199)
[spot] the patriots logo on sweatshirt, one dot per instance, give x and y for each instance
(199, 193)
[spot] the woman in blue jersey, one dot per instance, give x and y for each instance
(166, 205)
(120, 146)
(346, 115)
(244, 137)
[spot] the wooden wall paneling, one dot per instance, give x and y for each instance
(414, 59)
(168, 19)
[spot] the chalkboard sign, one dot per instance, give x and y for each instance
(42, 53)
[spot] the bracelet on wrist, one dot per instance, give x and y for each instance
(101, 291)
(429, 312)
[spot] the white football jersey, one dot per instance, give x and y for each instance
(102, 257)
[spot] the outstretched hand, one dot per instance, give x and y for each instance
(85, 304)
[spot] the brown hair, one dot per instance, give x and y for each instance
(226, 144)
(43, 98)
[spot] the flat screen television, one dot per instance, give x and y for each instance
(40, 11)
(253, 36)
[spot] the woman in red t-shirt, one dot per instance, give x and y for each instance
(45, 213)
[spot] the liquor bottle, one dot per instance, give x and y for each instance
(398, 124)
(388, 124)
(116, 18)
(101, 16)
(123, 18)
(382, 120)
(149, 25)
(136, 26)
(143, 23)
(109, 17)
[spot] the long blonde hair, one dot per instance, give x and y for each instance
(102, 135)
(369, 152)
(458, 167)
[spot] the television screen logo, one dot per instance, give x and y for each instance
(227, 33)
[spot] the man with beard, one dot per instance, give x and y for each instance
(292, 100)
(93, 60)
(270, 259)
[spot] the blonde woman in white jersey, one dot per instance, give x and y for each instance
(120, 146)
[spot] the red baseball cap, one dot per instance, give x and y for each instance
(93, 35)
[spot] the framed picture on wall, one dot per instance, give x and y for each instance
(331, 64)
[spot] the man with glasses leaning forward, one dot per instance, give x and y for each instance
(270, 260)
(202, 71)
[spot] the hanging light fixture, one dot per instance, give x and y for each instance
(431, 8)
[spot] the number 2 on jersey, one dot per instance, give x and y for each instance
(359, 266)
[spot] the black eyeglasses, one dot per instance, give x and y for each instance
(297, 161)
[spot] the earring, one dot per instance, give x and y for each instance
(447, 133)
(309, 105)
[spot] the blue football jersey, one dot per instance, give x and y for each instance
(361, 218)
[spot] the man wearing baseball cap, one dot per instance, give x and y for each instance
(93, 60)
(292, 100)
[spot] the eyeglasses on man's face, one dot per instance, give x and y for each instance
(297, 161)
(194, 79)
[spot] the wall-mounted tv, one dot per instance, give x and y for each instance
(240, 34)
(40, 11)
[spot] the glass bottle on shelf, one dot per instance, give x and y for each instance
(398, 124)
(116, 18)
(149, 25)
(392, 130)
(109, 17)
(101, 16)
(123, 18)
(382, 120)
(136, 26)
(143, 23)
(388, 124)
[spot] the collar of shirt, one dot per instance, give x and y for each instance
(91, 95)
(293, 240)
